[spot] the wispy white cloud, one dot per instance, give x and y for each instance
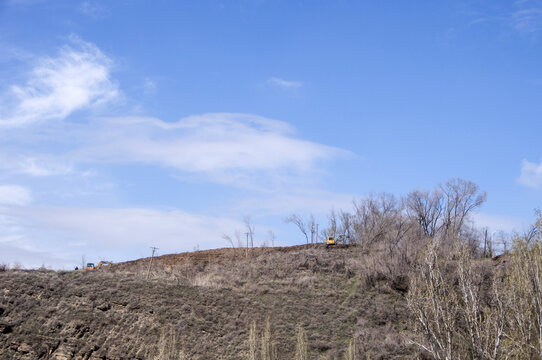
(531, 174)
(285, 83)
(528, 20)
(33, 165)
(237, 149)
(93, 10)
(173, 230)
(14, 195)
(522, 16)
(77, 78)
(105, 232)
(223, 147)
(36, 167)
(243, 150)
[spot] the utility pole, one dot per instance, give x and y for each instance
(150, 263)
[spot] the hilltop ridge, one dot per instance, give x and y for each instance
(202, 304)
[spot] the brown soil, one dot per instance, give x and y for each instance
(203, 304)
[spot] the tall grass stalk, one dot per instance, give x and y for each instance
(252, 342)
(352, 350)
(301, 347)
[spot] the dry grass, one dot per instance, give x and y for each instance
(207, 308)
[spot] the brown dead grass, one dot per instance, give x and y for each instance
(209, 299)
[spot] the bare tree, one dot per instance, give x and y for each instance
(444, 211)
(229, 239)
(427, 209)
(488, 243)
(346, 222)
(303, 226)
(461, 198)
(236, 239)
(523, 287)
(472, 238)
(373, 218)
(332, 218)
(534, 231)
(250, 229)
(450, 318)
(272, 237)
(504, 240)
(398, 231)
(311, 224)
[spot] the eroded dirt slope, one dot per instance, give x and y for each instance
(203, 308)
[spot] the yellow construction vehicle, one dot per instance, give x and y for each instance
(90, 266)
(330, 241)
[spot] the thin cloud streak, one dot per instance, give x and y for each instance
(41, 168)
(34, 165)
(93, 10)
(240, 149)
(285, 83)
(528, 20)
(524, 17)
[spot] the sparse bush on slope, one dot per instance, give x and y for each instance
(467, 309)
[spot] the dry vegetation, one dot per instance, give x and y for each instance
(462, 309)
(415, 282)
(205, 310)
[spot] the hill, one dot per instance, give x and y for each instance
(201, 306)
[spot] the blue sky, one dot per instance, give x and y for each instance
(129, 124)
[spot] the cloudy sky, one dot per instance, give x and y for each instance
(130, 124)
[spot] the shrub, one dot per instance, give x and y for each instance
(459, 312)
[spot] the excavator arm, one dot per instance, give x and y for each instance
(91, 267)
(103, 263)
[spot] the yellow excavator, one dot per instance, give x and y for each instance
(91, 267)
(341, 239)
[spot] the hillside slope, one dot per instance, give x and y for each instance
(203, 306)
